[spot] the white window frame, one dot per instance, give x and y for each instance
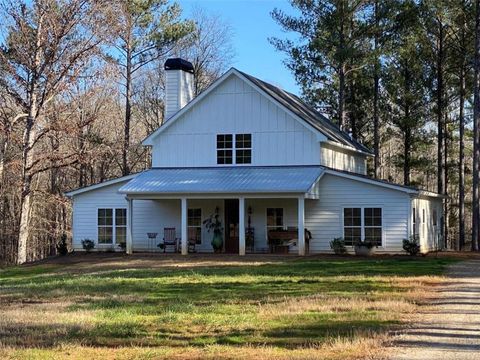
(114, 224)
(234, 149)
(195, 226)
(362, 220)
(272, 227)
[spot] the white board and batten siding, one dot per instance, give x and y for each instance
(336, 158)
(235, 107)
(324, 217)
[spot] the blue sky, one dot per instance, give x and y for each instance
(252, 26)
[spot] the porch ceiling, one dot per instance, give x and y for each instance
(239, 179)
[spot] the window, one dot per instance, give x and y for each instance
(352, 225)
(120, 226)
(423, 216)
(435, 220)
(224, 149)
(274, 219)
(373, 225)
(105, 226)
(195, 225)
(362, 224)
(414, 222)
(243, 148)
(110, 227)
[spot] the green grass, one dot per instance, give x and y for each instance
(274, 307)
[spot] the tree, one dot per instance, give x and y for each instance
(332, 47)
(405, 88)
(143, 31)
(476, 134)
(47, 42)
(210, 48)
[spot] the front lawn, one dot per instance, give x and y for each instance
(111, 306)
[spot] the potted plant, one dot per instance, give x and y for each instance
(363, 248)
(213, 224)
(338, 246)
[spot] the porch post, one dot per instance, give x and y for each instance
(129, 247)
(241, 216)
(301, 226)
(184, 227)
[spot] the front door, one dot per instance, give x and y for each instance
(231, 226)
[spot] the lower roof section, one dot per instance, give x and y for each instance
(238, 179)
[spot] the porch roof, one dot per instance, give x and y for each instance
(238, 179)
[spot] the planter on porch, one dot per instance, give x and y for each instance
(363, 249)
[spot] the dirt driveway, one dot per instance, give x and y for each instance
(450, 328)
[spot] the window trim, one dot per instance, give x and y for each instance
(196, 226)
(362, 218)
(234, 149)
(268, 227)
(114, 225)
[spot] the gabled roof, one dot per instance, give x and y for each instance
(100, 185)
(292, 103)
(307, 113)
(219, 179)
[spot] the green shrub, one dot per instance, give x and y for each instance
(88, 245)
(62, 246)
(367, 244)
(411, 245)
(338, 246)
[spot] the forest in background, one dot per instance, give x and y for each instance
(81, 84)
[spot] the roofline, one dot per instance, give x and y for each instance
(371, 181)
(82, 190)
(148, 140)
(349, 148)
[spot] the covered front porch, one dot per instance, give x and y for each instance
(247, 223)
(256, 205)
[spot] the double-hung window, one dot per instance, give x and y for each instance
(195, 225)
(112, 226)
(274, 219)
(243, 148)
(234, 149)
(224, 149)
(362, 224)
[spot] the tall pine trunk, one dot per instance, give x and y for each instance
(476, 133)
(461, 163)
(128, 113)
(376, 89)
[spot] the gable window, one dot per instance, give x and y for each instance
(112, 227)
(195, 225)
(274, 219)
(362, 224)
(243, 148)
(224, 149)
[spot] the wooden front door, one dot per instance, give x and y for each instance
(231, 226)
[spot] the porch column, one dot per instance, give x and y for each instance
(184, 227)
(129, 247)
(301, 226)
(241, 218)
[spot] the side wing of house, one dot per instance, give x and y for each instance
(426, 222)
(349, 208)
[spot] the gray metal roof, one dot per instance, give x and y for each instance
(307, 113)
(239, 179)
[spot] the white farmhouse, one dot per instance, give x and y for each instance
(269, 165)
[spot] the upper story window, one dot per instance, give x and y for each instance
(224, 148)
(243, 148)
(240, 150)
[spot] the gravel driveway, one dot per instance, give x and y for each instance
(450, 328)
